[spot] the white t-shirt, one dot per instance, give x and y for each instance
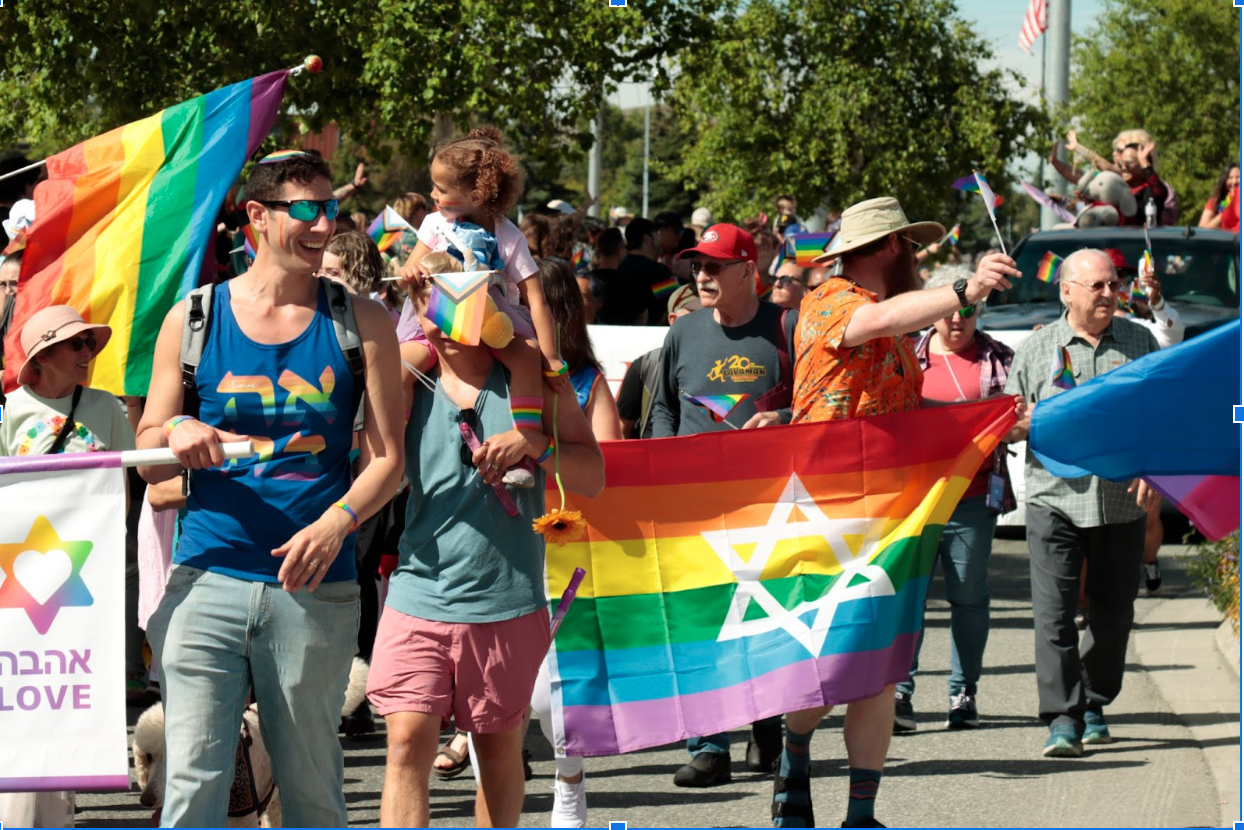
(511, 244)
(31, 423)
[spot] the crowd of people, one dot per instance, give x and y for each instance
(394, 440)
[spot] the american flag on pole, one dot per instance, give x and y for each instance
(1035, 23)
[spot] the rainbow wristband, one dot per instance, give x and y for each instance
(171, 423)
(527, 413)
(548, 453)
(353, 516)
(564, 370)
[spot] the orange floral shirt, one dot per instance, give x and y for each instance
(831, 381)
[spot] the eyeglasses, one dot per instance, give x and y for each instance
(965, 313)
(76, 343)
(785, 282)
(713, 269)
(9, 285)
(468, 417)
(306, 210)
(915, 246)
(1096, 287)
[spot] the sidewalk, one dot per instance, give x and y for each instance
(1193, 659)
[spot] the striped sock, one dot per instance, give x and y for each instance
(864, 784)
(794, 763)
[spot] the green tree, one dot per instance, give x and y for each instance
(1171, 67)
(394, 69)
(840, 100)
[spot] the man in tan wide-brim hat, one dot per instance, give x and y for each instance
(853, 361)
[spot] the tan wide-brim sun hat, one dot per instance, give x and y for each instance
(52, 325)
(870, 220)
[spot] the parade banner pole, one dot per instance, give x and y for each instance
(107, 460)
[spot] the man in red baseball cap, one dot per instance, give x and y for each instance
(736, 344)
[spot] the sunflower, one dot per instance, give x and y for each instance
(560, 526)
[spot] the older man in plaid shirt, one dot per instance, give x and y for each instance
(1070, 519)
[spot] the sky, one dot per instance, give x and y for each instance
(997, 21)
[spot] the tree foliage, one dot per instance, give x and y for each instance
(391, 66)
(1171, 67)
(841, 100)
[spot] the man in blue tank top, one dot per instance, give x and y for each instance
(259, 530)
(466, 623)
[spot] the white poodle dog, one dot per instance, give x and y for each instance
(148, 747)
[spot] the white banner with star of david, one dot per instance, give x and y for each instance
(62, 637)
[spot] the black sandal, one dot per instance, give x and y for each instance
(460, 761)
(795, 812)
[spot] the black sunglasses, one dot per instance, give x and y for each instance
(306, 210)
(76, 343)
(713, 269)
(468, 417)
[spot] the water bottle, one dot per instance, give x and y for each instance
(1151, 213)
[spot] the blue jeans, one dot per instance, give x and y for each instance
(967, 541)
(719, 744)
(216, 636)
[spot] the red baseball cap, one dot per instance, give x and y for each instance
(1121, 265)
(725, 241)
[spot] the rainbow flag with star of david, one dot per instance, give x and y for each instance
(754, 572)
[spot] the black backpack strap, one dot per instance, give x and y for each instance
(650, 378)
(197, 316)
(341, 307)
(784, 349)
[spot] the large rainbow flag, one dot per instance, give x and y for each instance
(124, 222)
(755, 572)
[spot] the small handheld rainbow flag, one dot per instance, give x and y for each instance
(805, 247)
(972, 184)
(387, 228)
(457, 304)
(1138, 294)
(953, 236)
(1047, 269)
(763, 287)
(1060, 370)
(717, 407)
(665, 287)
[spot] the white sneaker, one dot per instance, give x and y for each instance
(569, 804)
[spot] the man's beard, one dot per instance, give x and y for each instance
(902, 276)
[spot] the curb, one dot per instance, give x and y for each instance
(1228, 645)
(1199, 678)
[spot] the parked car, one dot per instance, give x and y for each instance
(1199, 269)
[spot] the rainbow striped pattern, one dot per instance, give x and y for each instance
(387, 228)
(1061, 374)
(717, 407)
(250, 241)
(282, 155)
(719, 593)
(805, 247)
(972, 184)
(665, 287)
(458, 303)
(1047, 269)
(953, 236)
(124, 222)
(527, 412)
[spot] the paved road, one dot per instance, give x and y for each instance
(1154, 775)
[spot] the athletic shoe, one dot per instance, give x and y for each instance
(1063, 743)
(1153, 578)
(569, 804)
(904, 714)
(1095, 729)
(866, 822)
(963, 712)
(707, 769)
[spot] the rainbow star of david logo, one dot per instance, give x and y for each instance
(43, 574)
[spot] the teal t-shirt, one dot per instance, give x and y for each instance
(462, 559)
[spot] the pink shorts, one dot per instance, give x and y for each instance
(479, 674)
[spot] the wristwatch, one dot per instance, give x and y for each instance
(961, 291)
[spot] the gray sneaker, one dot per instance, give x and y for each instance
(963, 712)
(904, 714)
